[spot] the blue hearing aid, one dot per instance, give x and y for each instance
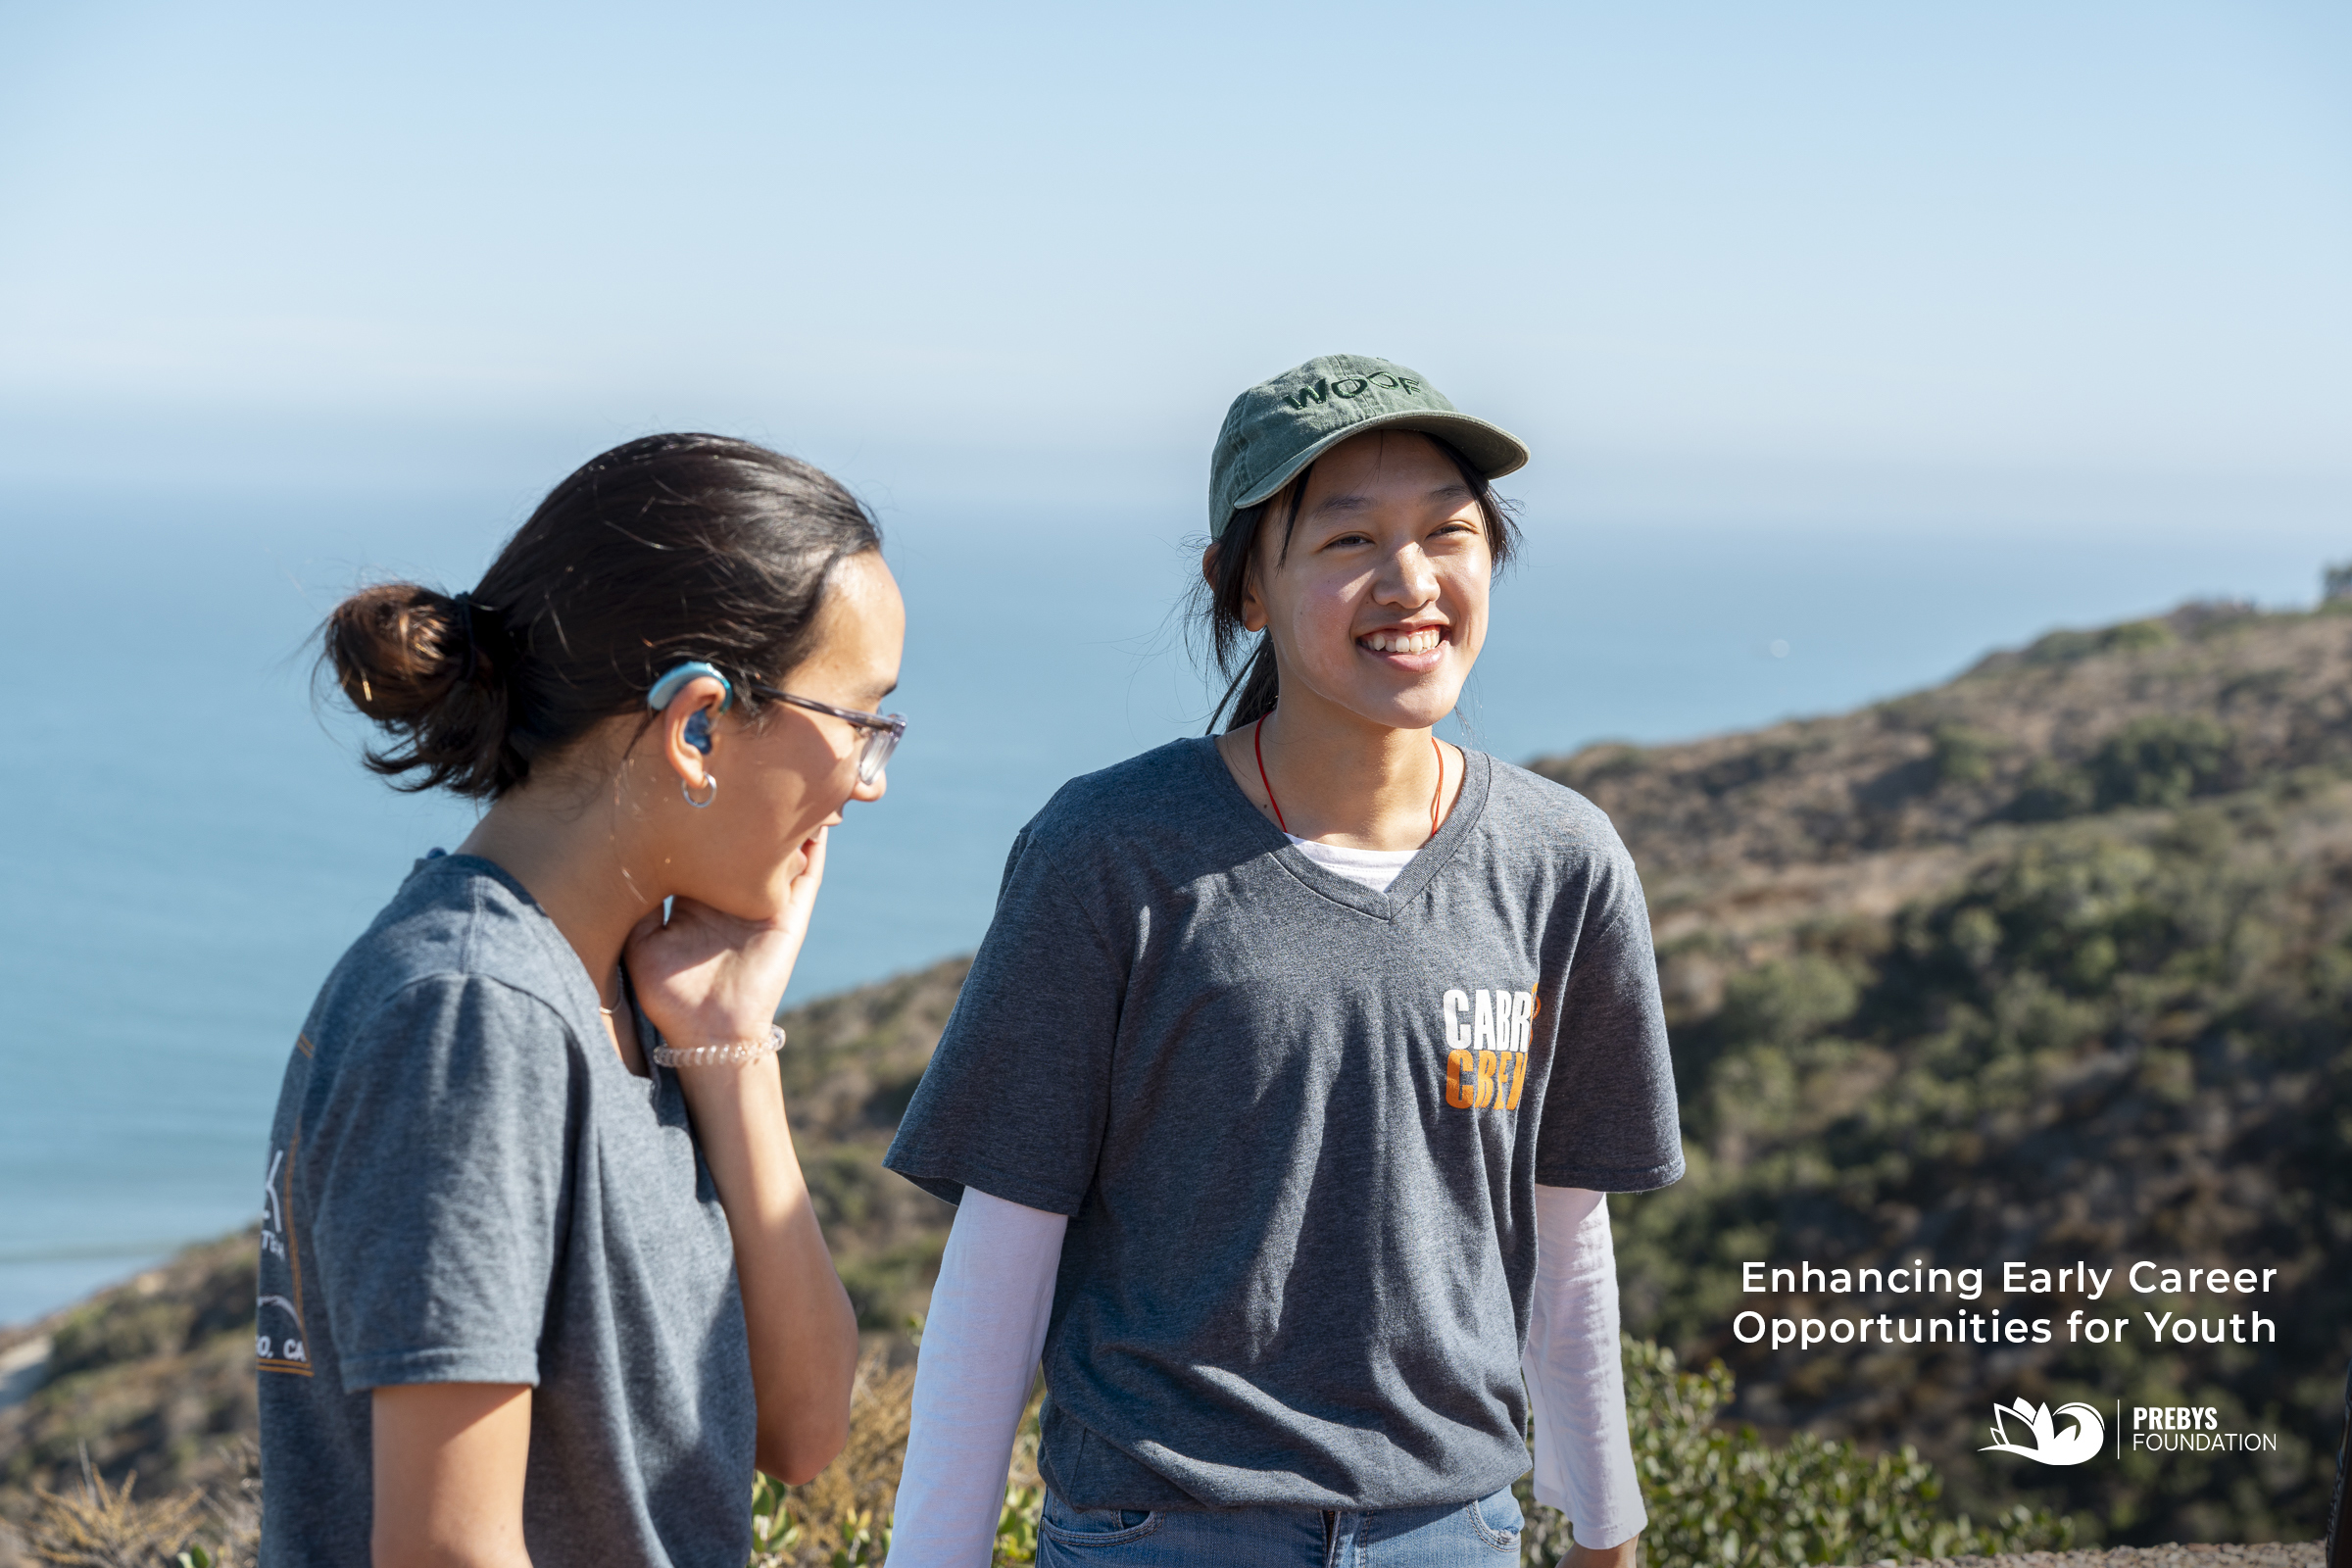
(675, 681)
(698, 724)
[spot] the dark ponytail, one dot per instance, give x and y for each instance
(669, 548)
(1246, 661)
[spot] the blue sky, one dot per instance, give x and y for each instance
(1813, 257)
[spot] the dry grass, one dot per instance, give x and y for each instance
(841, 1518)
(98, 1525)
(235, 1507)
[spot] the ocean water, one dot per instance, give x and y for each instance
(191, 841)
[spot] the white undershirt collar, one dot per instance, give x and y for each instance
(1373, 868)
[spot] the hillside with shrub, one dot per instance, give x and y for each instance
(2053, 965)
(2050, 964)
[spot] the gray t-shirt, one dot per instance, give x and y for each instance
(465, 1185)
(1297, 1126)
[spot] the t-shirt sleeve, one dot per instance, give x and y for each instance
(1017, 1094)
(434, 1163)
(1610, 1122)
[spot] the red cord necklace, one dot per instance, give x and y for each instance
(1258, 745)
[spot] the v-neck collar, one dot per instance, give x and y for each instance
(1427, 862)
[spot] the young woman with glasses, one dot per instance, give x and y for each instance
(1282, 1097)
(540, 1279)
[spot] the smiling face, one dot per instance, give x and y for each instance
(1376, 607)
(787, 771)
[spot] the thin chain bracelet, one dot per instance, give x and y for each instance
(734, 1056)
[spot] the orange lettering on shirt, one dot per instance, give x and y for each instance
(1485, 1079)
(1456, 1094)
(1518, 1081)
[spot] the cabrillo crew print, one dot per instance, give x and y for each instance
(1477, 1073)
(1297, 1125)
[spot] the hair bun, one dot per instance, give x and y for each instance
(396, 648)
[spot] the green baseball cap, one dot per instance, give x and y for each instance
(1278, 427)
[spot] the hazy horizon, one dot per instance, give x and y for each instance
(1832, 260)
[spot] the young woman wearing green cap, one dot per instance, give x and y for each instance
(1283, 1094)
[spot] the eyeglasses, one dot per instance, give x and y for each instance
(883, 731)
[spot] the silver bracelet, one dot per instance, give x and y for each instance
(734, 1056)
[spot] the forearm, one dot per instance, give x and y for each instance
(1574, 1371)
(803, 1333)
(980, 1347)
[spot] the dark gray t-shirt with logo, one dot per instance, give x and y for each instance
(1297, 1126)
(465, 1185)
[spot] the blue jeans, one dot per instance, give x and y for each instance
(1471, 1535)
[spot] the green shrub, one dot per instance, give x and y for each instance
(2061, 647)
(2133, 635)
(1962, 755)
(2162, 760)
(2065, 646)
(120, 1327)
(1785, 1001)
(1746, 768)
(2051, 791)
(1729, 1499)
(2158, 760)
(1016, 1524)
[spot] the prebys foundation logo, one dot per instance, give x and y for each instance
(2046, 1444)
(2145, 1428)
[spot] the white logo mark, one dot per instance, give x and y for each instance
(274, 1215)
(2050, 1447)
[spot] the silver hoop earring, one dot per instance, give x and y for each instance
(709, 796)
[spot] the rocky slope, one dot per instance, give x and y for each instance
(153, 1376)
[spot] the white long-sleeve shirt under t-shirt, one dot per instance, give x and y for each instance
(987, 1328)
(1574, 1370)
